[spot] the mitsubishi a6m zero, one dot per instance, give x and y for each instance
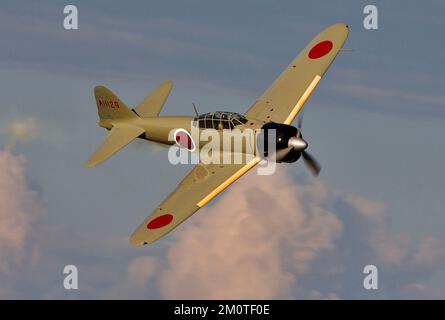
(275, 109)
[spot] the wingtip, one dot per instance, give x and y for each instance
(140, 238)
(135, 242)
(89, 164)
(339, 24)
(341, 27)
(169, 83)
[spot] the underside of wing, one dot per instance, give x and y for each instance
(282, 101)
(200, 186)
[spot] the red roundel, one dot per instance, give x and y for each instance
(183, 139)
(320, 49)
(160, 221)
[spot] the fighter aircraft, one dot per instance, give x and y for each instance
(275, 109)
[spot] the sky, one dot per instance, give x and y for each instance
(375, 122)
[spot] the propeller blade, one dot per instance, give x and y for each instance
(279, 154)
(299, 123)
(311, 163)
(300, 119)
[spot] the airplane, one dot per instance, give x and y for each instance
(275, 109)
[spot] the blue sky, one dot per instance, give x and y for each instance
(375, 122)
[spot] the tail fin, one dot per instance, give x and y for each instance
(109, 106)
(151, 106)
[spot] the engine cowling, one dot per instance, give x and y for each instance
(288, 142)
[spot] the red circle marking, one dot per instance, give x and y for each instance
(160, 221)
(184, 140)
(320, 49)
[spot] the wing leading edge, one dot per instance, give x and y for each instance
(283, 100)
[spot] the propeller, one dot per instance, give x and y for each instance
(279, 154)
(298, 144)
(311, 163)
(309, 160)
(300, 121)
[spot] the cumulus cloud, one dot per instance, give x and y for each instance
(23, 129)
(138, 275)
(254, 244)
(429, 252)
(389, 248)
(20, 209)
(373, 210)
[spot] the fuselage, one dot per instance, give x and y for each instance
(162, 129)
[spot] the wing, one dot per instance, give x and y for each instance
(116, 139)
(282, 101)
(200, 186)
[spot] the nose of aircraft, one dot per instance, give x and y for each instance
(297, 143)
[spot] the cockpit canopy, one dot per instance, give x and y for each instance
(219, 120)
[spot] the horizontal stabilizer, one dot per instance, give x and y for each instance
(117, 138)
(151, 106)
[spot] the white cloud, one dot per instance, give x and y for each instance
(429, 252)
(22, 130)
(139, 273)
(20, 209)
(26, 129)
(373, 210)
